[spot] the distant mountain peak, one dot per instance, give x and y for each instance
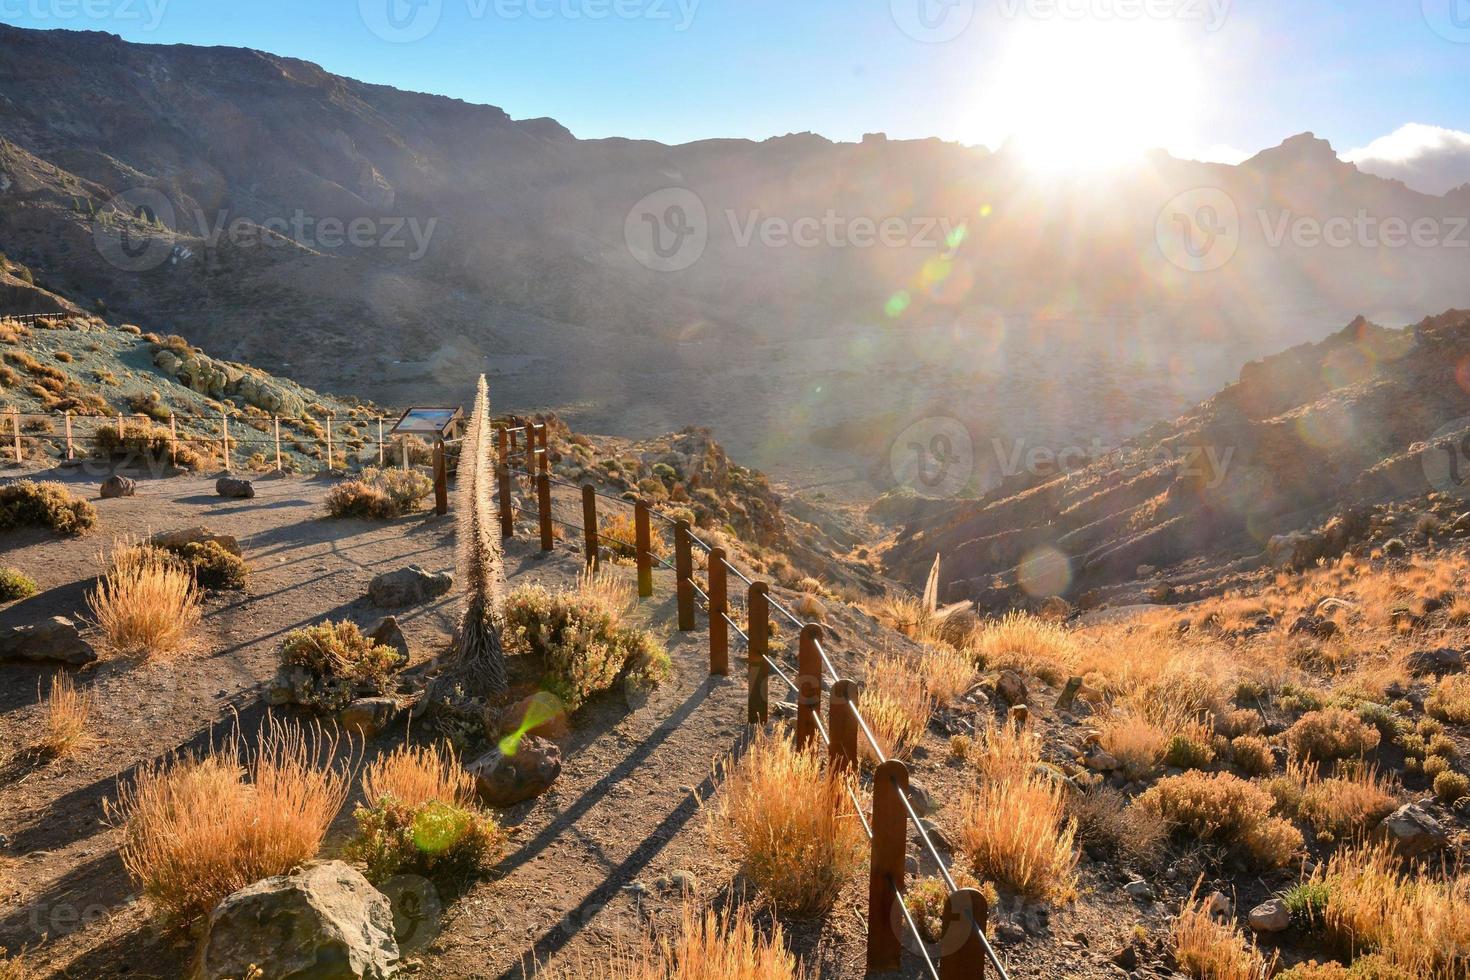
(1301, 150)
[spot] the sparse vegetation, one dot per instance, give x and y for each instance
(66, 719)
(1211, 950)
(896, 704)
(27, 503)
(379, 494)
(1451, 699)
(707, 946)
(15, 585)
(146, 604)
(339, 661)
(1225, 808)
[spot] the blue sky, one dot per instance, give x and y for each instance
(677, 70)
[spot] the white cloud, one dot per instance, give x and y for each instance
(1431, 159)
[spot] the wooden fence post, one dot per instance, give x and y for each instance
(70, 453)
(507, 517)
(808, 686)
(962, 957)
(757, 670)
(382, 452)
(277, 420)
(545, 466)
(643, 546)
(886, 870)
(441, 479)
(173, 440)
(589, 522)
(543, 509)
(15, 430)
(225, 437)
(719, 607)
(684, 573)
(502, 443)
(842, 726)
(330, 454)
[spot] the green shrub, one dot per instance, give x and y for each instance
(14, 585)
(925, 901)
(213, 566)
(1307, 902)
(1223, 807)
(583, 645)
(1450, 786)
(433, 839)
(379, 494)
(340, 662)
(27, 503)
(1186, 751)
(1331, 734)
(1252, 755)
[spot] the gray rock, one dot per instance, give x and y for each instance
(407, 587)
(56, 640)
(389, 634)
(368, 716)
(505, 778)
(1140, 889)
(1412, 830)
(920, 798)
(325, 922)
(418, 911)
(196, 535)
(1099, 760)
(936, 835)
(1441, 661)
(1271, 915)
(118, 486)
(234, 489)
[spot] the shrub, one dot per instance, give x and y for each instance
(214, 566)
(1451, 699)
(1443, 746)
(581, 641)
(197, 829)
(1307, 902)
(946, 673)
(27, 503)
(896, 705)
(619, 534)
(1434, 765)
(1210, 950)
(1104, 820)
(431, 838)
(15, 585)
(146, 604)
(788, 821)
(1451, 786)
(1331, 733)
(1221, 806)
(1370, 967)
(340, 663)
(1252, 755)
(1016, 832)
(140, 437)
(1189, 749)
(379, 494)
(925, 901)
(67, 715)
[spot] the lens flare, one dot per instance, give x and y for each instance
(1044, 571)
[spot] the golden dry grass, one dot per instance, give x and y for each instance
(896, 704)
(708, 946)
(197, 829)
(66, 717)
(946, 673)
(1225, 808)
(1134, 741)
(788, 821)
(1210, 950)
(1342, 805)
(414, 775)
(1020, 641)
(146, 604)
(607, 587)
(1004, 753)
(1451, 699)
(907, 614)
(1017, 832)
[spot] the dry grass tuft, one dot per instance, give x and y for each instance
(419, 774)
(67, 714)
(146, 604)
(1025, 643)
(1210, 950)
(788, 821)
(197, 829)
(1341, 805)
(946, 673)
(1451, 699)
(896, 704)
(1017, 832)
(1134, 741)
(708, 946)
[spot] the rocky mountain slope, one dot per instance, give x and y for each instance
(1370, 416)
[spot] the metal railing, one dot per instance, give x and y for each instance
(963, 950)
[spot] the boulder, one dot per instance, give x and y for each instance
(516, 770)
(920, 798)
(1099, 760)
(1441, 661)
(1412, 830)
(118, 486)
(1011, 688)
(1270, 916)
(540, 714)
(196, 535)
(368, 716)
(407, 587)
(1292, 550)
(234, 489)
(389, 634)
(56, 640)
(324, 921)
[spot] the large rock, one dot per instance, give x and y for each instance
(389, 634)
(369, 716)
(118, 486)
(525, 768)
(56, 639)
(1012, 688)
(196, 535)
(407, 587)
(325, 922)
(540, 714)
(234, 489)
(1270, 916)
(1412, 830)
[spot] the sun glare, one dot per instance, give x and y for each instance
(1089, 95)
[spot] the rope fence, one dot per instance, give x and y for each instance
(963, 951)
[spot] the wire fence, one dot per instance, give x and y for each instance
(963, 950)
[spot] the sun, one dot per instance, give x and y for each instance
(1089, 95)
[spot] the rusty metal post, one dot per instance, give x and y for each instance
(842, 725)
(70, 453)
(507, 516)
(684, 571)
(441, 479)
(962, 955)
(543, 510)
(589, 522)
(643, 547)
(719, 607)
(757, 670)
(809, 686)
(886, 870)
